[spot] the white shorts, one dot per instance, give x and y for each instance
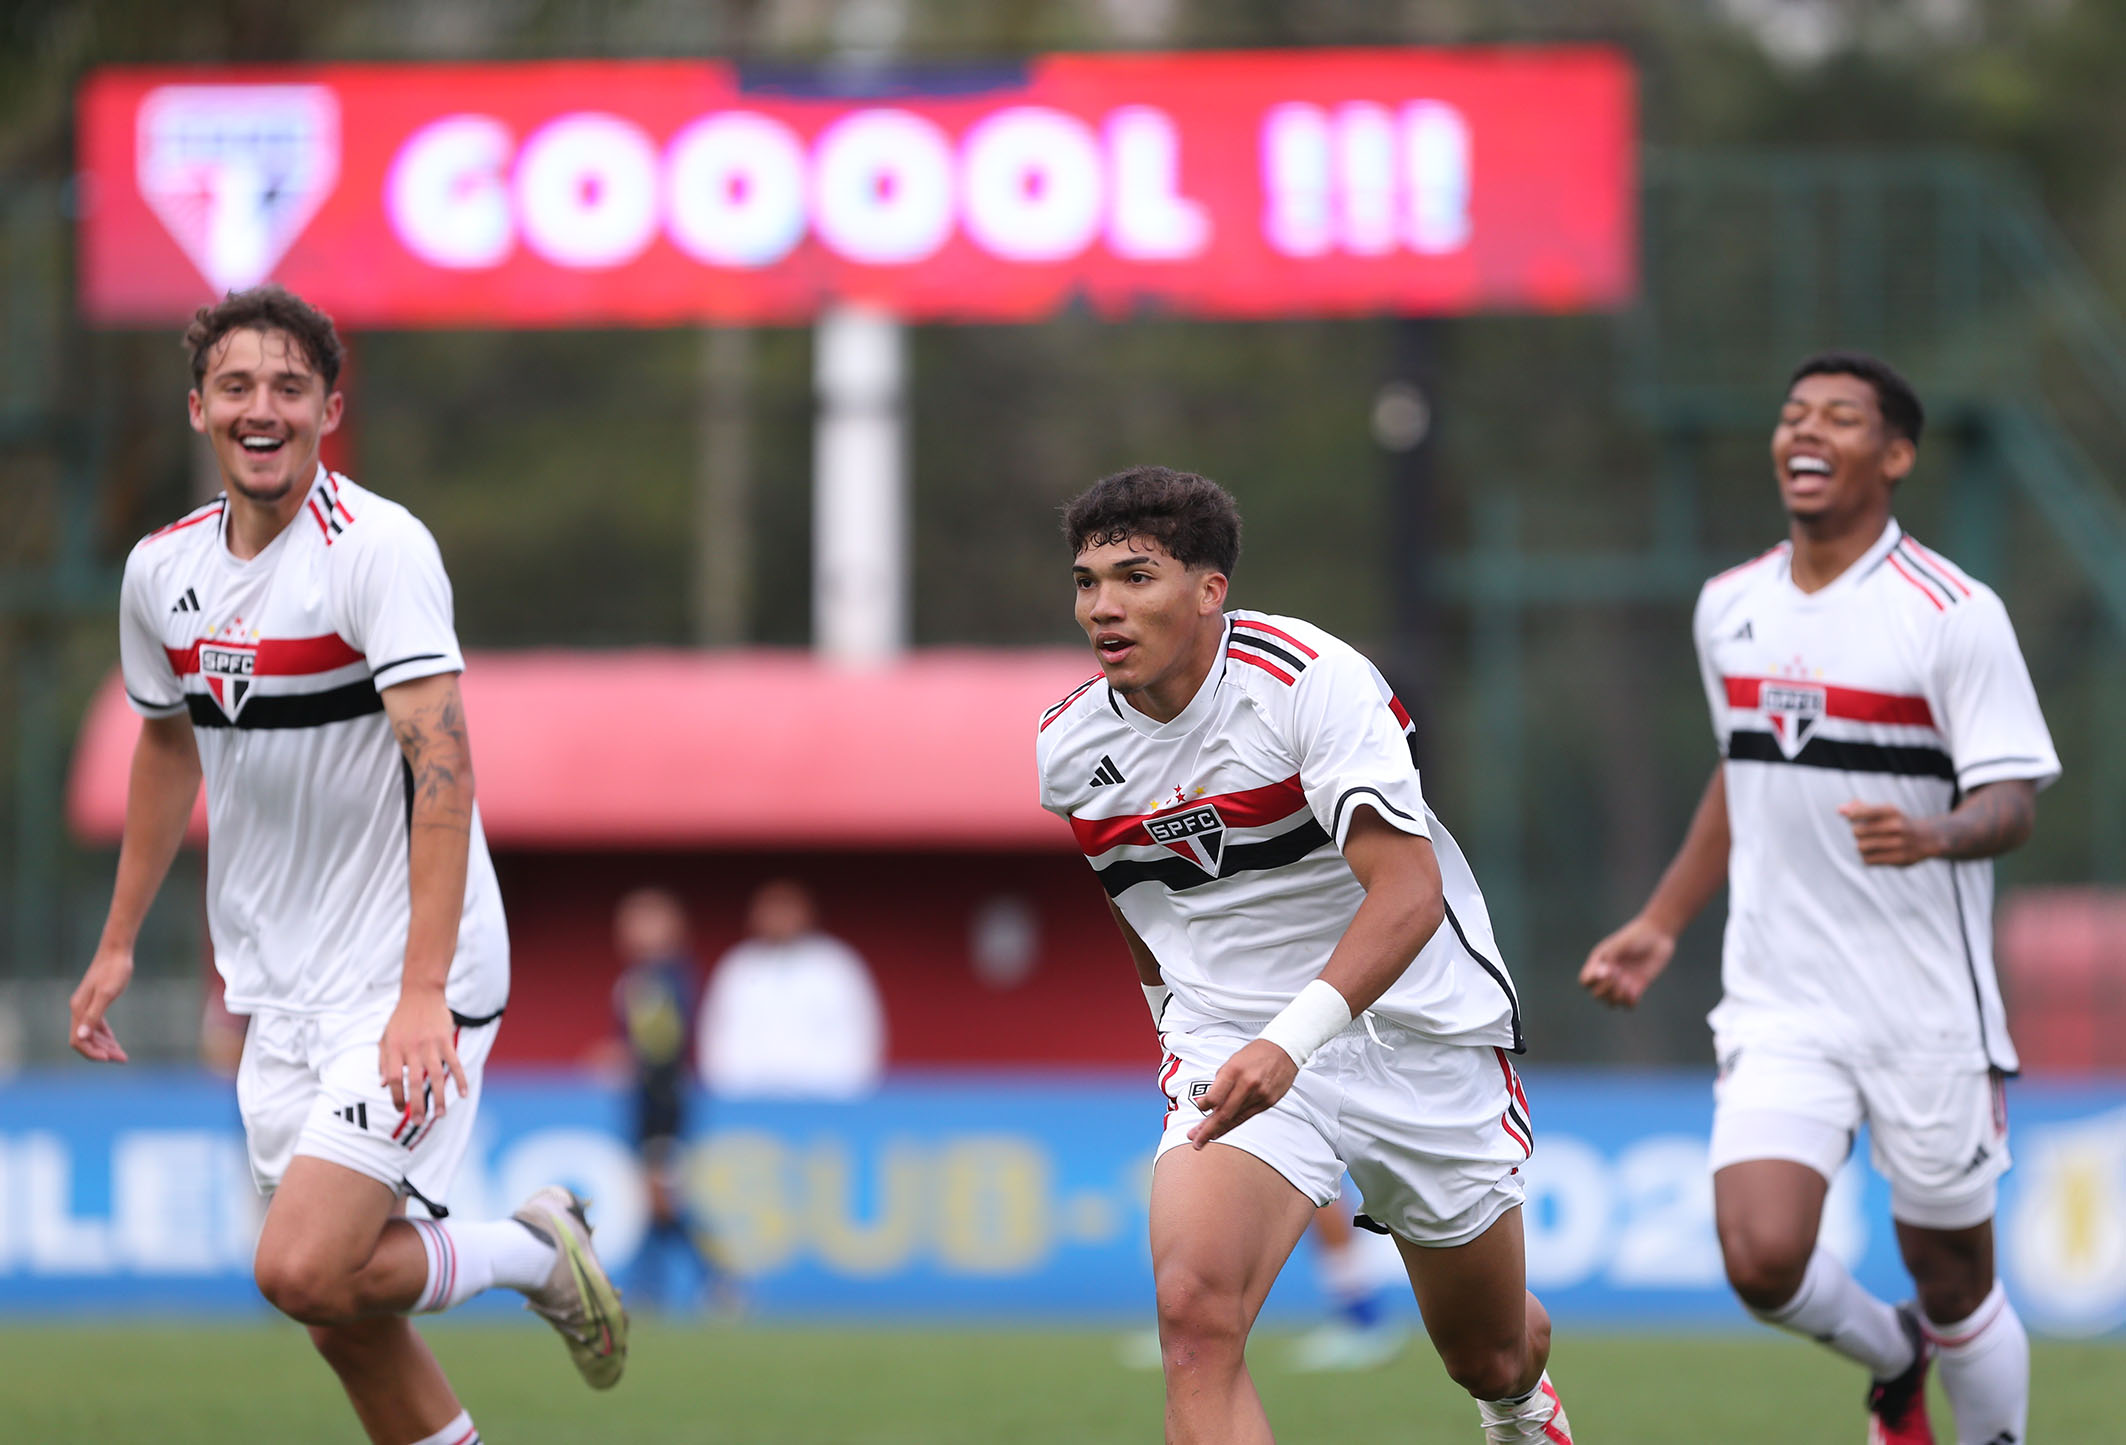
(308, 1085)
(1940, 1136)
(1434, 1135)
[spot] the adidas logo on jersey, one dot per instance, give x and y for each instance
(1744, 633)
(187, 603)
(1107, 773)
(355, 1114)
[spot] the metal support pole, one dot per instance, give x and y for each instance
(1405, 417)
(859, 487)
(722, 583)
(1501, 718)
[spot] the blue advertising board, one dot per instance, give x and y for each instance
(993, 1196)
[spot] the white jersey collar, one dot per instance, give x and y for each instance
(1189, 718)
(1861, 566)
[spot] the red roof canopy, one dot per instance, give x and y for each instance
(651, 749)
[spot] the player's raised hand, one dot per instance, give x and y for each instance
(1252, 1080)
(1623, 965)
(418, 1057)
(89, 1032)
(1886, 837)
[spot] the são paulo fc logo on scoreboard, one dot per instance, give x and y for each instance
(1793, 710)
(236, 171)
(228, 668)
(1197, 834)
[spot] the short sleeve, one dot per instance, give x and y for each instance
(394, 601)
(1983, 700)
(1709, 671)
(1040, 768)
(151, 682)
(1351, 747)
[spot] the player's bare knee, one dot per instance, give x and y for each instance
(1764, 1277)
(1197, 1311)
(1487, 1372)
(1947, 1295)
(304, 1290)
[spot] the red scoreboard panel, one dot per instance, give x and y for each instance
(1270, 183)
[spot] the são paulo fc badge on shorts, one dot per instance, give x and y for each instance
(1197, 834)
(228, 668)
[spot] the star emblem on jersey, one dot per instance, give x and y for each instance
(1107, 774)
(228, 668)
(1197, 834)
(1792, 710)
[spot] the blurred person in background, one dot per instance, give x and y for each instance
(1881, 744)
(291, 643)
(653, 1003)
(1315, 955)
(790, 1012)
(1361, 1273)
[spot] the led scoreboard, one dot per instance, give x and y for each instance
(1323, 182)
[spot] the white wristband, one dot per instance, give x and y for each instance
(1317, 1015)
(1155, 995)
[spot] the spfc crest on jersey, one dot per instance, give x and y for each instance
(236, 171)
(1792, 709)
(228, 669)
(1197, 834)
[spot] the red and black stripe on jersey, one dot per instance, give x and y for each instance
(1064, 706)
(1272, 649)
(1934, 578)
(285, 657)
(1848, 755)
(1270, 806)
(209, 513)
(326, 508)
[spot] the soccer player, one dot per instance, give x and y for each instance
(1881, 745)
(292, 642)
(1315, 952)
(653, 1002)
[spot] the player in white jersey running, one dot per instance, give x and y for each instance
(1316, 955)
(292, 644)
(1881, 744)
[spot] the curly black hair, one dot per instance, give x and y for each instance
(266, 308)
(1192, 518)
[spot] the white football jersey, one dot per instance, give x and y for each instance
(1898, 683)
(280, 662)
(1219, 834)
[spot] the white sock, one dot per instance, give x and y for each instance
(1535, 1417)
(466, 1258)
(1832, 1308)
(1985, 1371)
(460, 1431)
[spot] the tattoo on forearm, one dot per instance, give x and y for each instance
(1994, 819)
(437, 750)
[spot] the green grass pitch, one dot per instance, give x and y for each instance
(176, 1383)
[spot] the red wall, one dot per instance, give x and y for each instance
(908, 914)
